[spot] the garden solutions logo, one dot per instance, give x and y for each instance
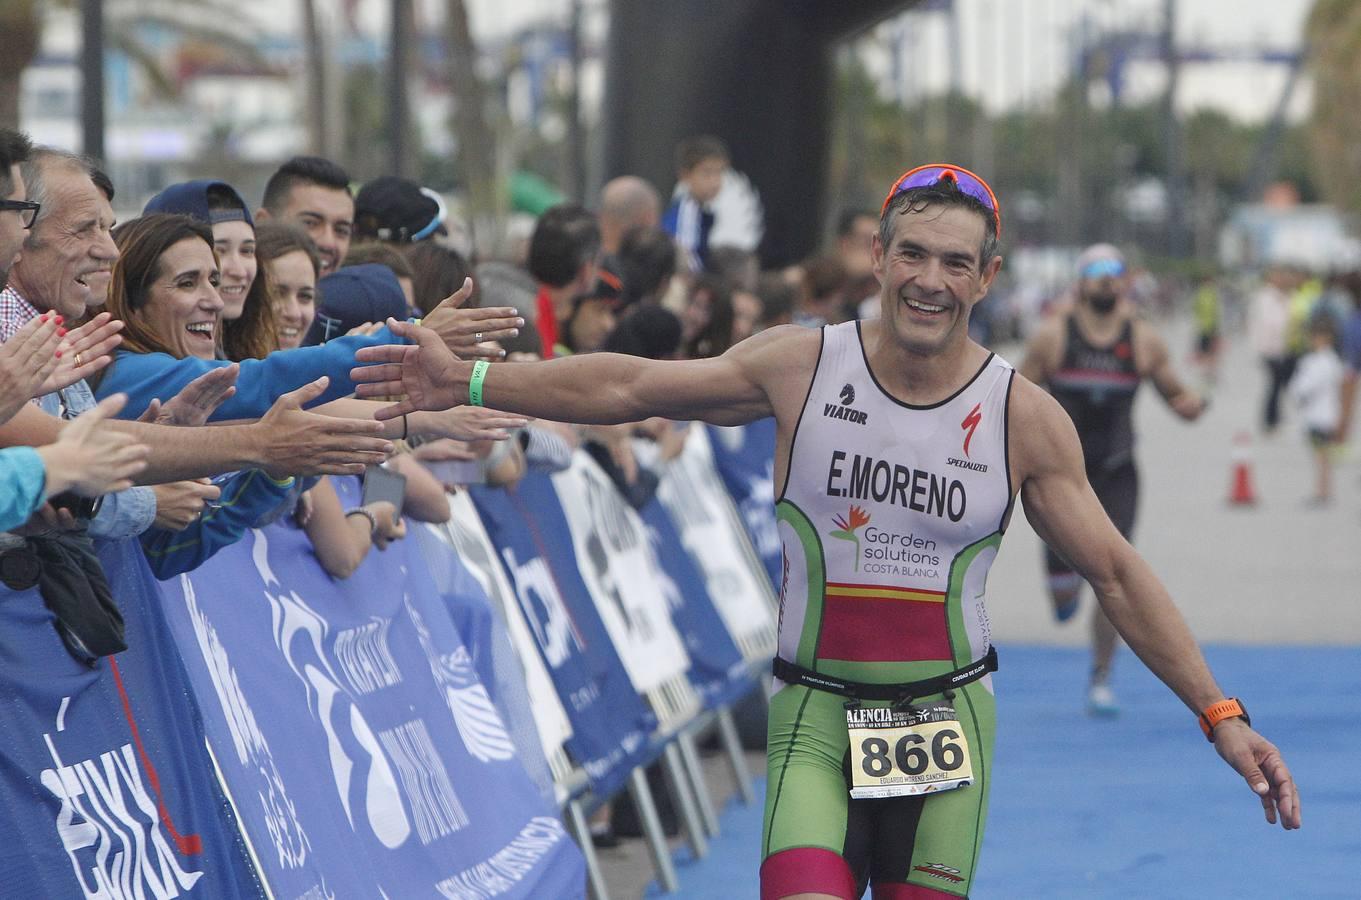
(847, 526)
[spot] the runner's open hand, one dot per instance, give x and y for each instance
(1260, 763)
(426, 371)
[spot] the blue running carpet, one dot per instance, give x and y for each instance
(1141, 806)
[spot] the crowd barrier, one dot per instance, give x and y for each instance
(423, 728)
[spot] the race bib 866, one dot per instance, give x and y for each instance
(896, 753)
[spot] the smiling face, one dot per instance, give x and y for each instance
(294, 282)
(235, 246)
(931, 277)
(182, 304)
(327, 215)
(67, 261)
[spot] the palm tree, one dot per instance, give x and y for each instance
(211, 21)
(1333, 34)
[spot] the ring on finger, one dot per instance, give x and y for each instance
(477, 338)
(77, 359)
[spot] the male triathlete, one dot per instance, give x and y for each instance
(902, 445)
(1092, 358)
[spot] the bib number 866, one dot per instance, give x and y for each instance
(909, 754)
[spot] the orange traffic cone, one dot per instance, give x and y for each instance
(1241, 492)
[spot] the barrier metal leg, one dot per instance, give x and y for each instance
(674, 770)
(727, 733)
(595, 879)
(690, 757)
(652, 831)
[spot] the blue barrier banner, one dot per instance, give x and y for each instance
(106, 788)
(611, 724)
(362, 751)
(745, 459)
(717, 669)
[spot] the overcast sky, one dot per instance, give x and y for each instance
(1016, 51)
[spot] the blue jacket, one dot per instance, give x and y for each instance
(246, 497)
(159, 376)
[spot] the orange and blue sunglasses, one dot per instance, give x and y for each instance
(934, 174)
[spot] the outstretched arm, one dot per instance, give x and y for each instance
(597, 388)
(1066, 514)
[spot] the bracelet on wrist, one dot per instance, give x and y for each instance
(475, 382)
(361, 511)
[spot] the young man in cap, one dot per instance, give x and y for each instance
(397, 211)
(1093, 358)
(902, 445)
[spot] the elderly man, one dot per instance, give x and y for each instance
(65, 267)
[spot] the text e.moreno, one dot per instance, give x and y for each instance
(886, 482)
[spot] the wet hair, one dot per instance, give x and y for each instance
(942, 193)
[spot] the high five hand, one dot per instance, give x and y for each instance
(431, 377)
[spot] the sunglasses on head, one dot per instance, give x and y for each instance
(934, 174)
(1103, 268)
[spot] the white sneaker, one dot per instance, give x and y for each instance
(1101, 701)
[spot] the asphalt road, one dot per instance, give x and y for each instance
(1279, 572)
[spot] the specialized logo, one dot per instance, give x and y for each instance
(936, 870)
(970, 424)
(845, 410)
(848, 525)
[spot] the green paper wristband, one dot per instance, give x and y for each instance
(475, 382)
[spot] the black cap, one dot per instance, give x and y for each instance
(397, 210)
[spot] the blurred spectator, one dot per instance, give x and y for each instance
(777, 298)
(1316, 389)
(647, 262)
(247, 314)
(397, 211)
(626, 202)
(503, 284)
(562, 259)
(746, 314)
(592, 316)
(701, 162)
(855, 232)
(437, 272)
(1351, 352)
(1269, 320)
(708, 319)
(387, 255)
(651, 331)
(739, 268)
(822, 297)
(314, 193)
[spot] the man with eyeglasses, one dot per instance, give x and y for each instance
(16, 211)
(902, 445)
(1093, 358)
